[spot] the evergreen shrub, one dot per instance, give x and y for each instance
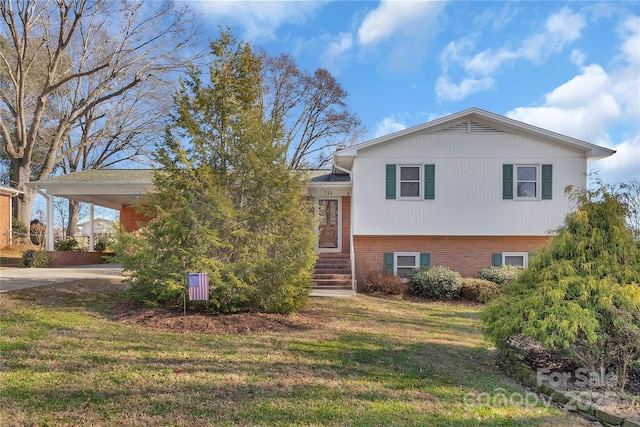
(437, 282)
(479, 290)
(69, 244)
(500, 275)
(36, 259)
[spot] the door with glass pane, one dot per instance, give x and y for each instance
(329, 224)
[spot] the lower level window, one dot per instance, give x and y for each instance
(517, 259)
(405, 262)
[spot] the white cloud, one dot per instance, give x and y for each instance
(578, 57)
(625, 77)
(445, 89)
(623, 165)
(401, 30)
(336, 50)
(488, 61)
(391, 17)
(387, 126)
(259, 19)
(560, 29)
(583, 107)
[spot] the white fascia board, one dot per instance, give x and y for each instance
(329, 189)
(10, 191)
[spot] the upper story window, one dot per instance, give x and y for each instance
(410, 182)
(527, 182)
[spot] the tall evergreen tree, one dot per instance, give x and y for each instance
(227, 203)
(580, 293)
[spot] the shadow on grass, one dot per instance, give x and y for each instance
(91, 370)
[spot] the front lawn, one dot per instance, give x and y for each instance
(67, 359)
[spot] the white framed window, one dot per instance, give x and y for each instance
(404, 263)
(409, 182)
(527, 181)
(516, 259)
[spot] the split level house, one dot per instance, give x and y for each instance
(466, 191)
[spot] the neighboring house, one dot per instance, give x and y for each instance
(466, 191)
(6, 196)
(101, 227)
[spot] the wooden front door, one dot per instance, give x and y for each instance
(329, 230)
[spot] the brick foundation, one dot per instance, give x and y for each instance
(68, 258)
(465, 254)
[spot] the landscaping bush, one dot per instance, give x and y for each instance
(500, 275)
(479, 290)
(103, 244)
(70, 244)
(36, 259)
(387, 284)
(579, 295)
(436, 282)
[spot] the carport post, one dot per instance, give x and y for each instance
(48, 241)
(92, 238)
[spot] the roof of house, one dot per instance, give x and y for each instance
(344, 158)
(100, 177)
(8, 191)
(325, 176)
(112, 188)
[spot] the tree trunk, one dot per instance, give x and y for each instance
(24, 202)
(74, 207)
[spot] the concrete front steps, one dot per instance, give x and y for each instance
(332, 273)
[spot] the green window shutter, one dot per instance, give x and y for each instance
(429, 182)
(507, 181)
(425, 260)
(547, 177)
(496, 260)
(391, 181)
(388, 262)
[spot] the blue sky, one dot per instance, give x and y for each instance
(571, 67)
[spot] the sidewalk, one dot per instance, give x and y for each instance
(20, 278)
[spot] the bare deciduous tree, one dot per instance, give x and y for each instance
(312, 109)
(83, 55)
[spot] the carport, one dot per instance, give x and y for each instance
(111, 188)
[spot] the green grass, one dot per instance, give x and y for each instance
(363, 362)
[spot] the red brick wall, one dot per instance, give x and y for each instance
(346, 223)
(130, 219)
(5, 219)
(67, 258)
(465, 254)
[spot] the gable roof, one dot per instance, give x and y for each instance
(488, 122)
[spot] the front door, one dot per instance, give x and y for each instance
(329, 229)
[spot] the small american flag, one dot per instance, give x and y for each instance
(198, 286)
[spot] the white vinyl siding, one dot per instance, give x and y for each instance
(469, 198)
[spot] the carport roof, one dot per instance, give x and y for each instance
(111, 188)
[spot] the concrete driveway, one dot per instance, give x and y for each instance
(20, 278)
